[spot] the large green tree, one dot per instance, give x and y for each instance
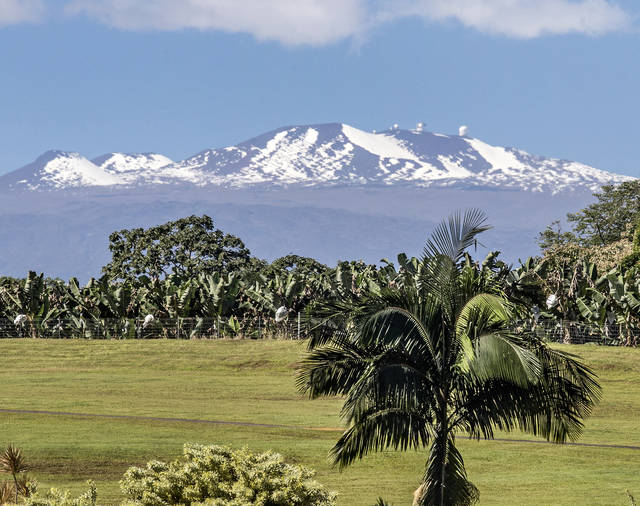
(433, 355)
(186, 248)
(609, 219)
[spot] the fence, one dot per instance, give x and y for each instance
(570, 332)
(292, 327)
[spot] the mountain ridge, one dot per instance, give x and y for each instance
(328, 154)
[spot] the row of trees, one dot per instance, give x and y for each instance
(293, 283)
(240, 296)
(188, 269)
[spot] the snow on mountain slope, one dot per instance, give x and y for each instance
(61, 169)
(131, 163)
(330, 154)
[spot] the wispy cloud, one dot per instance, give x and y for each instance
(523, 19)
(20, 11)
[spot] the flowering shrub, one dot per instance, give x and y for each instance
(55, 497)
(219, 476)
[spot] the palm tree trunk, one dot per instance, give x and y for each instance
(443, 471)
(15, 481)
(445, 482)
(433, 491)
(443, 435)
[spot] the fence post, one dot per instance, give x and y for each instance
(218, 328)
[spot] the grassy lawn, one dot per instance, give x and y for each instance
(254, 381)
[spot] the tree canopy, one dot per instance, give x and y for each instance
(186, 248)
(609, 219)
(296, 264)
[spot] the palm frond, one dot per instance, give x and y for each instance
(438, 283)
(24, 483)
(331, 370)
(380, 430)
(499, 357)
(397, 384)
(397, 327)
(7, 493)
(453, 236)
(554, 407)
(568, 390)
(483, 313)
(12, 460)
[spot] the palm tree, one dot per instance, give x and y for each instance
(433, 355)
(12, 461)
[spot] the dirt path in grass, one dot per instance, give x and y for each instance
(271, 426)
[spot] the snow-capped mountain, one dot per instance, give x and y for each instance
(326, 191)
(57, 170)
(332, 154)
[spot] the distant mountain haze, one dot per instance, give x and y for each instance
(329, 191)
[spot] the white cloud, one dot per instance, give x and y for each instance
(313, 22)
(320, 22)
(20, 11)
(524, 19)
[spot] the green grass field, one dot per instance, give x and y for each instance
(254, 381)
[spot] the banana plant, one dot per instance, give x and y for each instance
(168, 298)
(30, 302)
(234, 325)
(115, 301)
(219, 294)
(625, 298)
(287, 291)
(82, 301)
(593, 307)
(354, 278)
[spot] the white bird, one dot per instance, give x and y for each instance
(281, 313)
(148, 320)
(20, 319)
(552, 301)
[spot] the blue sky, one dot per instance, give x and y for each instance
(553, 77)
